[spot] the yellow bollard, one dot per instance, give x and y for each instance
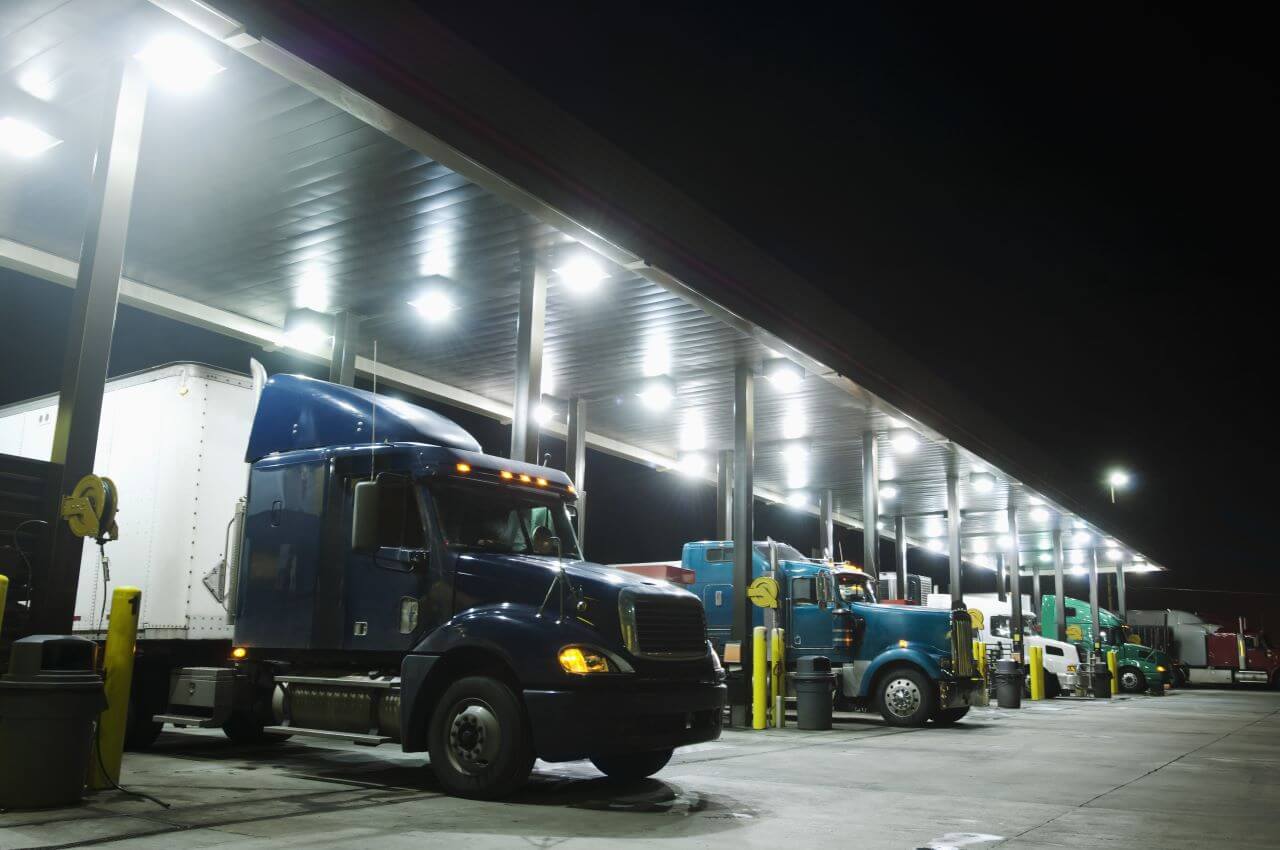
(4, 596)
(1113, 664)
(778, 679)
(759, 679)
(122, 636)
(980, 657)
(1037, 671)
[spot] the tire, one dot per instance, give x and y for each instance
(949, 716)
(479, 739)
(1132, 681)
(630, 767)
(244, 728)
(906, 697)
(1052, 687)
(140, 732)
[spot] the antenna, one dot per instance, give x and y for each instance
(373, 420)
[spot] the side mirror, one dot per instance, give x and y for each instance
(364, 516)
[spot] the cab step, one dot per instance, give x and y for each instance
(187, 720)
(362, 738)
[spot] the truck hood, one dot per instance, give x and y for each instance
(931, 626)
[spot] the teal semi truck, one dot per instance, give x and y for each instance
(911, 664)
(1140, 668)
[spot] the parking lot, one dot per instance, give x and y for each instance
(1193, 769)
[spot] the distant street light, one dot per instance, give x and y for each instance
(1117, 479)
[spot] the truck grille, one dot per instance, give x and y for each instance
(664, 626)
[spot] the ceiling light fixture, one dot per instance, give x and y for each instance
(582, 274)
(434, 305)
(22, 139)
(783, 374)
(177, 63)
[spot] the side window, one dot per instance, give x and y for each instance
(1069, 611)
(1000, 626)
(399, 520)
(714, 555)
(803, 591)
(1053, 650)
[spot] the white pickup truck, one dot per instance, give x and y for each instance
(1061, 659)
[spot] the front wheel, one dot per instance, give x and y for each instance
(629, 767)
(906, 697)
(949, 716)
(244, 727)
(479, 739)
(1132, 681)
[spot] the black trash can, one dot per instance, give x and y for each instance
(1100, 680)
(1008, 683)
(813, 682)
(49, 703)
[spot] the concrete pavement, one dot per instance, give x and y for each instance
(1188, 770)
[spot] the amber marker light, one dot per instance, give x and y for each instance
(239, 653)
(524, 479)
(541, 482)
(506, 475)
(464, 468)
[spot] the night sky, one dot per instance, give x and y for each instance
(1067, 212)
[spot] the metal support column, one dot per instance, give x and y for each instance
(530, 324)
(1121, 611)
(1036, 602)
(870, 504)
(575, 459)
(744, 438)
(900, 554)
(1000, 578)
(724, 495)
(1059, 587)
(826, 525)
(953, 538)
(93, 317)
(1093, 600)
(1014, 567)
(346, 337)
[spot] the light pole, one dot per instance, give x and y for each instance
(1117, 479)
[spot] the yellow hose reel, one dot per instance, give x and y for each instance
(90, 510)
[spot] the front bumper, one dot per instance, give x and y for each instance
(957, 693)
(571, 724)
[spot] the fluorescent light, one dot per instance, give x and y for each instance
(1077, 557)
(1114, 554)
(888, 493)
(797, 476)
(879, 525)
(307, 330)
(437, 262)
(657, 356)
(657, 393)
(888, 471)
(797, 498)
(693, 435)
(980, 545)
(982, 482)
(935, 546)
(37, 84)
(794, 424)
(933, 527)
(22, 139)
(1077, 571)
(904, 440)
(1002, 521)
(434, 305)
(795, 451)
(692, 464)
(582, 274)
(1045, 558)
(1039, 514)
(543, 414)
(783, 374)
(313, 289)
(1082, 537)
(1004, 541)
(548, 375)
(177, 63)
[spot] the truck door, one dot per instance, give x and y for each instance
(386, 584)
(809, 614)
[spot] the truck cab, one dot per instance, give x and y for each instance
(1139, 668)
(394, 584)
(899, 660)
(1206, 653)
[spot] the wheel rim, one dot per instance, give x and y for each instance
(1129, 679)
(475, 736)
(902, 697)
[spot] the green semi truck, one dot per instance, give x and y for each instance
(1139, 668)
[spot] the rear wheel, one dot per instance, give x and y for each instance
(906, 697)
(479, 739)
(242, 727)
(1132, 681)
(140, 731)
(1052, 687)
(949, 716)
(632, 766)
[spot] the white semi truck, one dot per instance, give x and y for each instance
(1061, 659)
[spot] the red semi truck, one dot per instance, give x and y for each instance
(1206, 653)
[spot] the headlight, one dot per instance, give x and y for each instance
(581, 661)
(1071, 668)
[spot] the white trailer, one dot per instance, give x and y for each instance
(1061, 659)
(173, 439)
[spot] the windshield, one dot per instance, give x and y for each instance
(786, 552)
(855, 587)
(490, 518)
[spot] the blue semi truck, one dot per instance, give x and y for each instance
(393, 584)
(911, 664)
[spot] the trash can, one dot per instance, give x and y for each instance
(1008, 683)
(813, 682)
(1100, 680)
(49, 702)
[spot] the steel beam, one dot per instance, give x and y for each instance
(575, 460)
(1121, 611)
(1014, 567)
(1001, 594)
(93, 317)
(953, 538)
(1036, 602)
(744, 437)
(346, 338)
(870, 503)
(826, 526)
(1059, 587)
(900, 554)
(1093, 601)
(530, 327)
(724, 495)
